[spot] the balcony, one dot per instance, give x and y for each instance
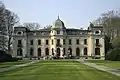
(19, 45)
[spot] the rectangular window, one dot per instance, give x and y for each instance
(58, 32)
(47, 42)
(39, 42)
(77, 41)
(70, 42)
(58, 41)
(97, 41)
(63, 41)
(19, 42)
(52, 42)
(85, 41)
(31, 42)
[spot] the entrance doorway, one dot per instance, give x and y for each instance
(97, 51)
(58, 51)
(46, 51)
(77, 52)
(19, 52)
(70, 51)
(39, 52)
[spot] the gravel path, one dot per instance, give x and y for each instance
(101, 67)
(17, 66)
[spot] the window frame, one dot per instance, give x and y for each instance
(85, 41)
(47, 42)
(70, 41)
(39, 42)
(77, 41)
(31, 42)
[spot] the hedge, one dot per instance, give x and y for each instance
(5, 57)
(113, 55)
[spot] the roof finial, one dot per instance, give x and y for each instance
(91, 24)
(58, 16)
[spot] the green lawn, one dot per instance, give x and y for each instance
(112, 64)
(8, 64)
(57, 70)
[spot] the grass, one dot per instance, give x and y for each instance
(8, 64)
(111, 64)
(57, 70)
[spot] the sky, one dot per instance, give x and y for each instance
(74, 13)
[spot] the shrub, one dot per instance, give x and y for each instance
(14, 59)
(113, 55)
(5, 57)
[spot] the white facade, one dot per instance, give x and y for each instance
(87, 43)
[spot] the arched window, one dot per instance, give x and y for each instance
(70, 51)
(63, 51)
(39, 51)
(19, 52)
(46, 51)
(58, 51)
(97, 51)
(77, 52)
(52, 51)
(31, 51)
(85, 51)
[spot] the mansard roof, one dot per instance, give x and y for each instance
(68, 31)
(76, 31)
(46, 31)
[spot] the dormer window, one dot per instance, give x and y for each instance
(97, 32)
(20, 33)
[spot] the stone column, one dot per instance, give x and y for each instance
(35, 47)
(92, 46)
(81, 52)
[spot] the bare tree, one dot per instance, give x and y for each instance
(7, 21)
(110, 20)
(2, 26)
(32, 26)
(11, 20)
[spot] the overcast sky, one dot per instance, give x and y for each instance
(74, 13)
